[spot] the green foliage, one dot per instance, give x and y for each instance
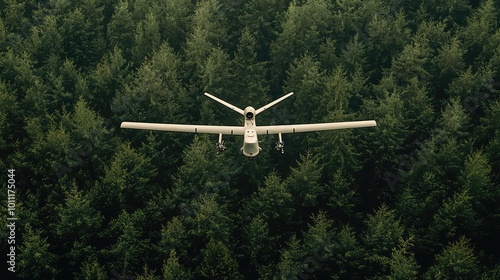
(121, 28)
(92, 270)
(175, 20)
(127, 229)
(382, 233)
(260, 243)
(450, 61)
(387, 36)
(389, 137)
(172, 270)
(82, 39)
(77, 220)
(35, 258)
(273, 201)
(210, 220)
(173, 237)
(147, 38)
(305, 76)
(217, 262)
(123, 181)
(456, 215)
(291, 262)
(475, 178)
(303, 181)
(456, 261)
(208, 32)
(251, 85)
(156, 86)
(402, 262)
(302, 30)
(8, 111)
(262, 18)
(481, 24)
(318, 236)
(415, 197)
(411, 63)
(341, 195)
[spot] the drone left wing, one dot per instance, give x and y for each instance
(297, 128)
(210, 129)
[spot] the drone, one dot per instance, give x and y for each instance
(249, 130)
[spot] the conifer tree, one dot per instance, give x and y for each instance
(274, 202)
(304, 181)
(476, 34)
(475, 178)
(147, 38)
(457, 260)
(123, 182)
(261, 18)
(47, 41)
(307, 78)
(450, 61)
(121, 28)
(455, 218)
(81, 40)
(76, 226)
(291, 263)
(381, 144)
(303, 28)
(259, 244)
(341, 196)
(175, 19)
(125, 253)
(383, 231)
(210, 220)
(174, 237)
(35, 257)
(106, 79)
(208, 32)
(402, 262)
(386, 36)
(412, 62)
(251, 85)
(173, 270)
(346, 254)
(317, 244)
(92, 270)
(217, 262)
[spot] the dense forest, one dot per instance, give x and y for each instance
(416, 197)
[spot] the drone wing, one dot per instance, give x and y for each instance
(296, 128)
(210, 129)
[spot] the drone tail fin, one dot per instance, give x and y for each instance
(272, 103)
(229, 105)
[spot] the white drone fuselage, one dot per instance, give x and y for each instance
(250, 140)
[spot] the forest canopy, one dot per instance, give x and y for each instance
(417, 197)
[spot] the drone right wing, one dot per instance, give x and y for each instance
(209, 129)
